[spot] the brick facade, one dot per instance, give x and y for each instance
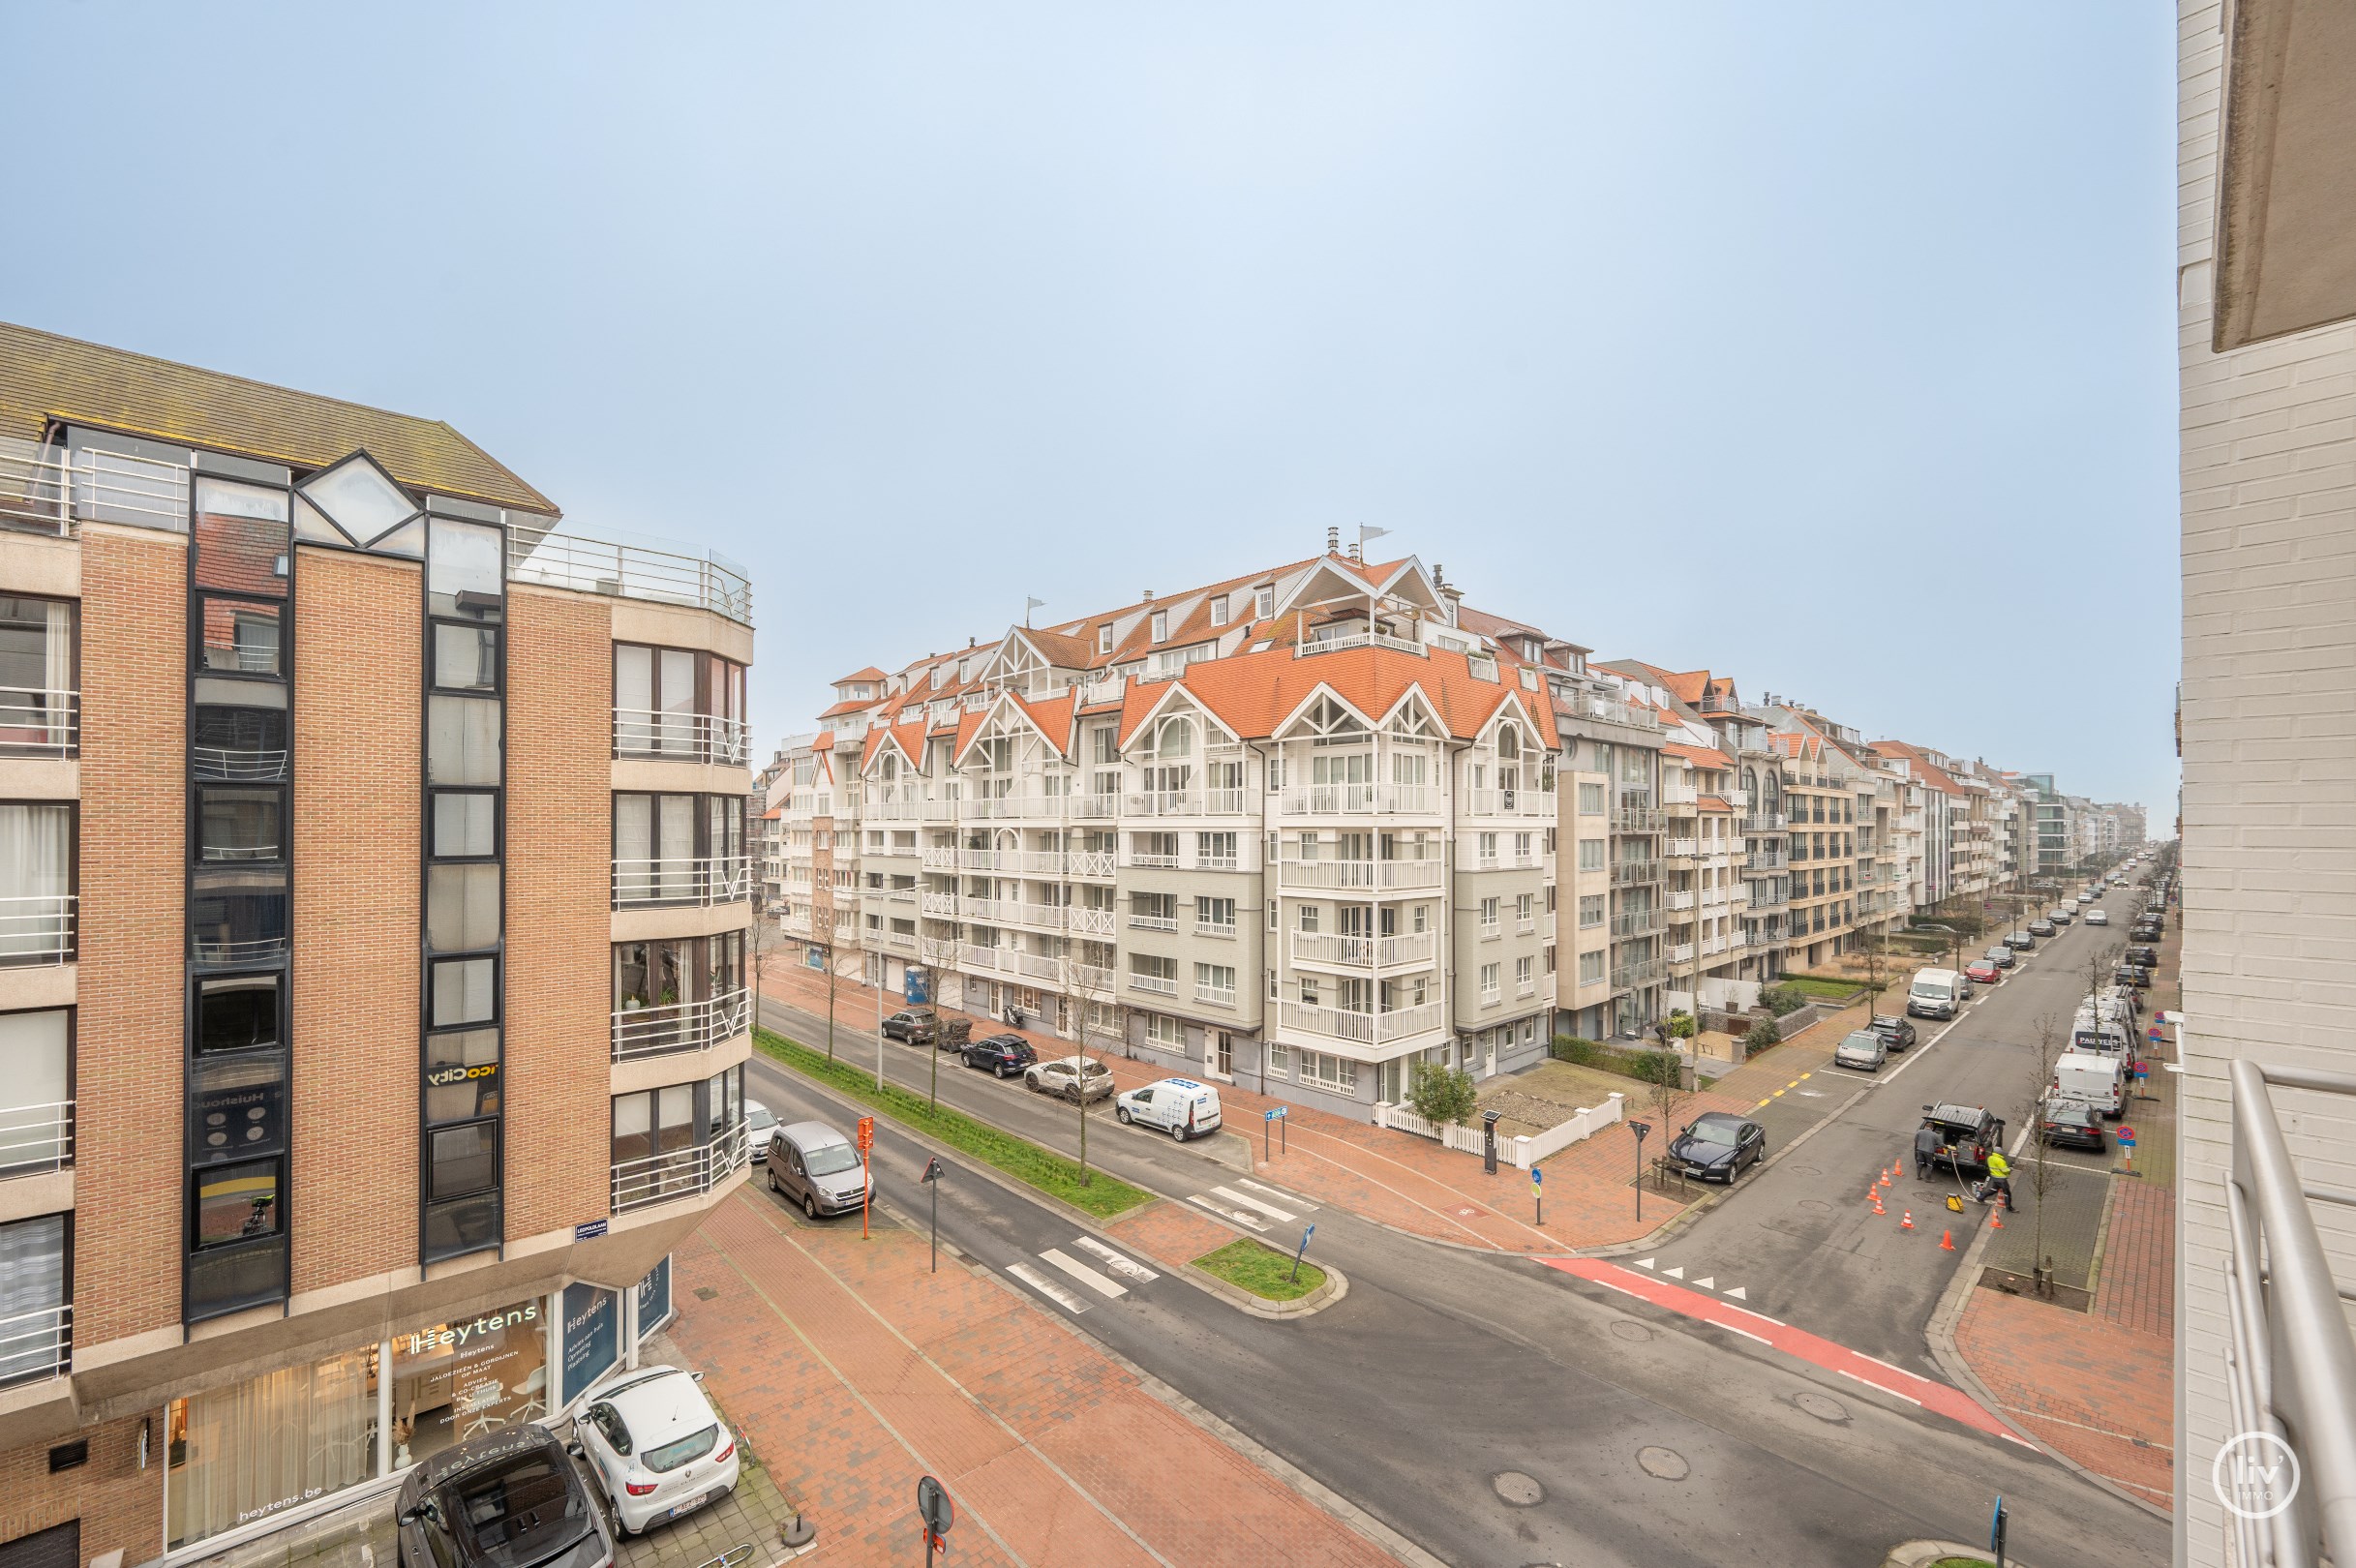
(120, 1506)
(133, 880)
(357, 826)
(559, 854)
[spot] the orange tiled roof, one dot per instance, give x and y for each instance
(1699, 756)
(1253, 694)
(870, 673)
(1715, 805)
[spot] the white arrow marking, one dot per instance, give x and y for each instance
(1677, 1273)
(1129, 1268)
(1708, 1282)
(1646, 1262)
(1739, 1294)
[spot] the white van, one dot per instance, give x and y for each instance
(1934, 994)
(2099, 1080)
(1179, 1107)
(2103, 1036)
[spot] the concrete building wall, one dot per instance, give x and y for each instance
(2268, 889)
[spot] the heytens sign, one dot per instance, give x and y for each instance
(458, 1334)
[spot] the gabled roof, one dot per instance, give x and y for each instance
(849, 705)
(870, 673)
(1921, 765)
(1253, 694)
(1699, 756)
(45, 379)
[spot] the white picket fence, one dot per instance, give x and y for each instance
(1522, 1149)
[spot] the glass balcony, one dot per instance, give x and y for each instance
(690, 1171)
(659, 1029)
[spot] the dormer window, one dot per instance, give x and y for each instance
(1530, 649)
(1218, 611)
(1161, 624)
(1104, 638)
(1263, 603)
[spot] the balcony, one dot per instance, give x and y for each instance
(701, 879)
(627, 566)
(678, 1173)
(1335, 642)
(1674, 794)
(1414, 951)
(42, 490)
(1157, 984)
(1637, 923)
(38, 930)
(1770, 894)
(673, 737)
(40, 723)
(36, 1138)
(1508, 804)
(1680, 900)
(1021, 863)
(1768, 857)
(1636, 975)
(1154, 923)
(909, 810)
(1371, 876)
(1358, 799)
(1009, 962)
(664, 1027)
(1095, 808)
(1367, 1029)
(36, 1346)
(1679, 952)
(1682, 849)
(1184, 804)
(1634, 873)
(1638, 820)
(1012, 808)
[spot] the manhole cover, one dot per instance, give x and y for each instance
(1817, 1204)
(1634, 1333)
(1805, 1170)
(705, 1293)
(1822, 1407)
(1662, 1464)
(1520, 1490)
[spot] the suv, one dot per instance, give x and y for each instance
(507, 1499)
(1967, 1135)
(1003, 1055)
(1898, 1032)
(912, 1027)
(2148, 957)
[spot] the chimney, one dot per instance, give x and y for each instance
(1439, 575)
(1148, 596)
(1333, 541)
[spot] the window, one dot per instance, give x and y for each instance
(1489, 849)
(1218, 610)
(1489, 984)
(1214, 917)
(35, 881)
(1338, 1074)
(1524, 977)
(462, 991)
(462, 907)
(1161, 624)
(37, 1064)
(38, 677)
(1312, 995)
(464, 825)
(240, 824)
(1263, 603)
(1215, 852)
(33, 1298)
(237, 1012)
(1215, 982)
(1162, 1030)
(1104, 638)
(1590, 854)
(1279, 1059)
(1590, 968)
(1524, 912)
(1590, 909)
(1488, 916)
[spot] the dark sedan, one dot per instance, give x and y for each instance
(2072, 1124)
(510, 1499)
(913, 1028)
(1002, 1055)
(2134, 975)
(1715, 1147)
(2041, 927)
(2147, 956)
(1898, 1032)
(2003, 957)
(2021, 942)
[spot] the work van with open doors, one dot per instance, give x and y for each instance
(2102, 1081)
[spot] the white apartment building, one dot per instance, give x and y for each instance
(2267, 357)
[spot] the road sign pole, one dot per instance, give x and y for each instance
(867, 1170)
(1537, 1193)
(932, 1180)
(1302, 1249)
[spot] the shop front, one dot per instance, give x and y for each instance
(304, 1438)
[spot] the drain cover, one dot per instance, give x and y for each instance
(1822, 1407)
(1664, 1463)
(1805, 1170)
(1632, 1332)
(1520, 1490)
(706, 1293)
(1819, 1205)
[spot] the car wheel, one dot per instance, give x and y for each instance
(1121, 1115)
(1072, 1094)
(773, 1183)
(999, 1072)
(1178, 1131)
(809, 1205)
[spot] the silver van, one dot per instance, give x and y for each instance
(812, 1164)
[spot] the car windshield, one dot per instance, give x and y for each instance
(830, 1160)
(678, 1451)
(515, 1514)
(1722, 1132)
(758, 1118)
(1865, 1039)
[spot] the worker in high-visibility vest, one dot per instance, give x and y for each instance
(2000, 1180)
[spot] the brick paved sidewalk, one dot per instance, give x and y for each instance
(1416, 1184)
(854, 1372)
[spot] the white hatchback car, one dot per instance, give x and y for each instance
(657, 1446)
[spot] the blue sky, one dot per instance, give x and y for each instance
(1831, 347)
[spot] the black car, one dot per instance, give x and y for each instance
(2001, 957)
(1715, 1147)
(2148, 957)
(2072, 1123)
(912, 1027)
(1967, 1135)
(2021, 942)
(2144, 933)
(2134, 975)
(2041, 927)
(1003, 1055)
(510, 1499)
(1898, 1032)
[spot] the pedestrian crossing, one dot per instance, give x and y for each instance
(1090, 1277)
(1255, 1209)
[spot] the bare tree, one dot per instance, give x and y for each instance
(1086, 987)
(1877, 965)
(935, 955)
(2042, 1170)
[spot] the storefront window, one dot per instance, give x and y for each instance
(654, 1298)
(593, 1336)
(244, 1453)
(456, 1380)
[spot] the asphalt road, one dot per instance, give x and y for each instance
(1443, 1370)
(1799, 1238)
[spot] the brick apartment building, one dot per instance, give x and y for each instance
(339, 905)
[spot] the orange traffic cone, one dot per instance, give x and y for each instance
(1947, 1241)
(1908, 1222)
(1883, 1180)
(1996, 1221)
(1877, 1204)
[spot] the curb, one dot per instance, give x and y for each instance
(1334, 1287)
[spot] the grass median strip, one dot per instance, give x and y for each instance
(1260, 1270)
(1101, 1194)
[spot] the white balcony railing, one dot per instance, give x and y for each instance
(1335, 642)
(660, 1028)
(1676, 793)
(1686, 848)
(678, 1173)
(1159, 985)
(37, 1344)
(626, 567)
(1154, 923)
(36, 722)
(1631, 873)
(1184, 804)
(1415, 949)
(1095, 808)
(676, 736)
(1377, 876)
(911, 810)
(1021, 863)
(37, 929)
(44, 491)
(1357, 799)
(1522, 803)
(35, 1138)
(1678, 900)
(696, 879)
(238, 766)
(1364, 1027)
(1764, 822)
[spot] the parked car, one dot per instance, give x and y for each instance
(1001, 1055)
(2025, 941)
(2098, 916)
(817, 1168)
(2071, 1123)
(1936, 993)
(913, 1027)
(2002, 956)
(1862, 1049)
(510, 1498)
(759, 1122)
(1899, 1032)
(1715, 1147)
(2137, 975)
(1179, 1107)
(2144, 931)
(1967, 1135)
(1071, 1078)
(1982, 972)
(2040, 929)
(2062, 914)
(2086, 900)
(2147, 956)
(657, 1446)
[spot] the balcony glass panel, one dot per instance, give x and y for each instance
(33, 1309)
(242, 637)
(244, 744)
(242, 538)
(237, 915)
(240, 824)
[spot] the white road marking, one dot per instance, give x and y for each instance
(1870, 1383)
(1250, 1202)
(1110, 1290)
(1248, 1221)
(1275, 1193)
(1745, 1332)
(2017, 1142)
(1047, 1287)
(1739, 1294)
(1127, 1268)
(1677, 1273)
(1708, 1282)
(1646, 1262)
